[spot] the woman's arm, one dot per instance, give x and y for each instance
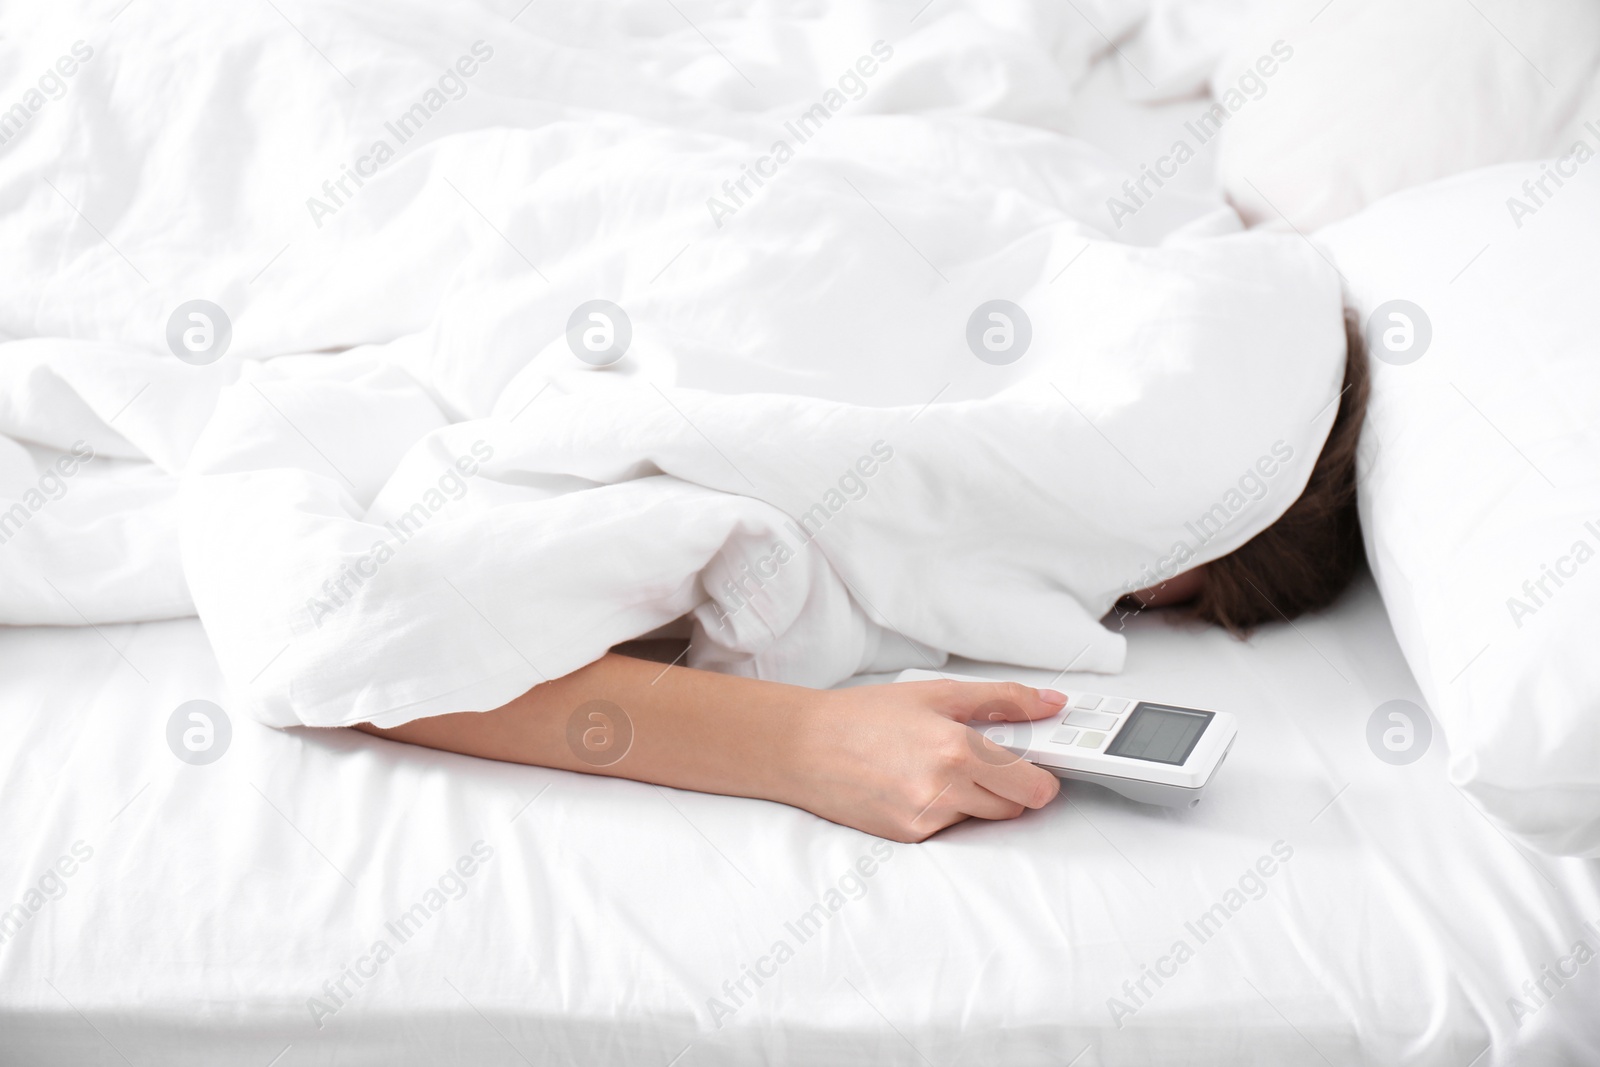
(892, 760)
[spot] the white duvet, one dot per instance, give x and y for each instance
(401, 492)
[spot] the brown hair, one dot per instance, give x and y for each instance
(1305, 560)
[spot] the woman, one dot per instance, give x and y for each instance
(898, 760)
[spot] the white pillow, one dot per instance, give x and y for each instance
(1381, 96)
(1480, 474)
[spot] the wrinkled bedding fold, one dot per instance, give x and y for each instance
(401, 492)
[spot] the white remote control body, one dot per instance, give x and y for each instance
(1149, 752)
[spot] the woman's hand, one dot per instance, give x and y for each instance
(893, 760)
(897, 761)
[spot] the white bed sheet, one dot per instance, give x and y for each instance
(218, 899)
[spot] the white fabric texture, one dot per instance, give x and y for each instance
(1381, 96)
(1175, 50)
(1480, 476)
(401, 492)
(214, 907)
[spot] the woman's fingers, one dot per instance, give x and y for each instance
(960, 801)
(1017, 781)
(989, 765)
(981, 780)
(979, 803)
(992, 701)
(943, 810)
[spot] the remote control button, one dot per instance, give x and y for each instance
(1088, 702)
(1091, 739)
(1115, 706)
(1064, 735)
(1092, 720)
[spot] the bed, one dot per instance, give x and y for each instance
(322, 896)
(222, 906)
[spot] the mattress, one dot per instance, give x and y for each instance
(318, 897)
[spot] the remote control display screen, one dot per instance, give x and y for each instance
(1160, 733)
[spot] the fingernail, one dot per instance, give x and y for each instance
(1050, 696)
